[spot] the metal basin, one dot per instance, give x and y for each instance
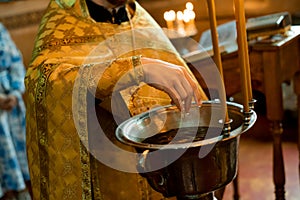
(198, 161)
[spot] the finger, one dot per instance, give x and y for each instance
(188, 103)
(177, 100)
(186, 93)
(195, 87)
(182, 89)
(190, 86)
(198, 96)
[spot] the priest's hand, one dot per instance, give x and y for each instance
(172, 79)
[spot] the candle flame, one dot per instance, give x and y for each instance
(179, 15)
(189, 6)
(186, 17)
(189, 15)
(169, 15)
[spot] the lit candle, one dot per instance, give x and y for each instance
(189, 19)
(169, 17)
(180, 24)
(186, 16)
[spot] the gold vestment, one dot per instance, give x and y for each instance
(61, 167)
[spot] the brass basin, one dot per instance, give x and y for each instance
(186, 168)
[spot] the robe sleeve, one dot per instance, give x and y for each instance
(119, 74)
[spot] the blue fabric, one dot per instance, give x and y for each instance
(13, 160)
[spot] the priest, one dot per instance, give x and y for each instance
(107, 57)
